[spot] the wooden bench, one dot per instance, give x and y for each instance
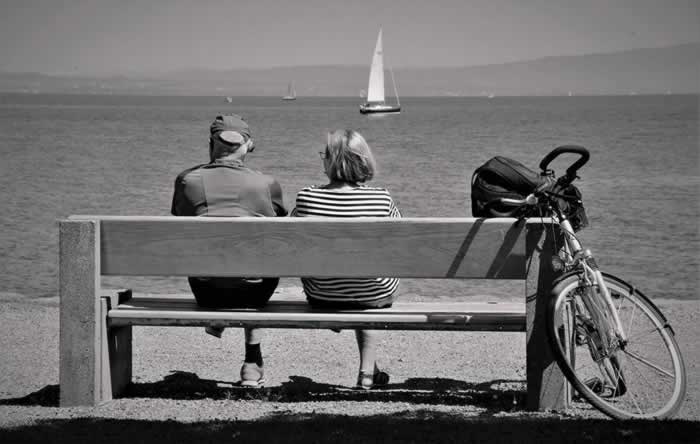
(95, 328)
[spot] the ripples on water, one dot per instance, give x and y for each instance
(64, 155)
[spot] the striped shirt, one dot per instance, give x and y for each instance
(362, 201)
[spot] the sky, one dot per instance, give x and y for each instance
(155, 36)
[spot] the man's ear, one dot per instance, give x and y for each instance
(243, 149)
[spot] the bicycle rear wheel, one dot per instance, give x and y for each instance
(643, 377)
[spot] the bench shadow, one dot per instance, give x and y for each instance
(408, 426)
(495, 424)
(47, 396)
(496, 395)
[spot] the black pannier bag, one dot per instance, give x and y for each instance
(503, 177)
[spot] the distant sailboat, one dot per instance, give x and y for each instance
(291, 92)
(229, 99)
(375, 92)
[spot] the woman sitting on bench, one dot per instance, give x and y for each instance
(348, 162)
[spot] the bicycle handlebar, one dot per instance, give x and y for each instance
(575, 149)
(529, 200)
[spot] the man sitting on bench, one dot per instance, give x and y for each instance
(225, 187)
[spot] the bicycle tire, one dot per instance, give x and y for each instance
(650, 373)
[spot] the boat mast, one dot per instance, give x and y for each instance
(393, 82)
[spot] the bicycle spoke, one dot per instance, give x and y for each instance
(633, 397)
(649, 364)
(628, 330)
(633, 394)
(638, 343)
(635, 338)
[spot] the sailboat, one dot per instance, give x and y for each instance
(376, 103)
(291, 92)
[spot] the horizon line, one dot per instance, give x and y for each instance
(444, 96)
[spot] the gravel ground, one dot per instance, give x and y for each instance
(184, 382)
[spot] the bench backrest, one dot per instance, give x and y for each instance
(294, 247)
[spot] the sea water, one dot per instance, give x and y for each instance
(76, 154)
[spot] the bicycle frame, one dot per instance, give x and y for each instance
(583, 260)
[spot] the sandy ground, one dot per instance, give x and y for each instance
(184, 383)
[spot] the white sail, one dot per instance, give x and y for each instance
(375, 103)
(291, 92)
(375, 91)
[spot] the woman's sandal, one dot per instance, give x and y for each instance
(368, 381)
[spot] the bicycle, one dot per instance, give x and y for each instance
(612, 343)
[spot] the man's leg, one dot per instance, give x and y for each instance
(253, 337)
(252, 373)
(238, 293)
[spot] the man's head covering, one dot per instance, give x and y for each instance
(230, 129)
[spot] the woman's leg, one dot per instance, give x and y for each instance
(369, 376)
(367, 345)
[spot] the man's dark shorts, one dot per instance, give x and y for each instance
(232, 293)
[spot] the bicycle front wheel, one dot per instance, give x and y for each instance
(642, 377)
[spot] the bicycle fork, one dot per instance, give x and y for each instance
(601, 329)
(591, 267)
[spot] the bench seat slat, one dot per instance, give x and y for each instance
(475, 316)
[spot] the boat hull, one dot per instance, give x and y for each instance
(289, 98)
(370, 108)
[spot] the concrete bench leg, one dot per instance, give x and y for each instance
(547, 388)
(115, 363)
(79, 282)
(95, 362)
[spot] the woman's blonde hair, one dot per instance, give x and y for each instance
(348, 157)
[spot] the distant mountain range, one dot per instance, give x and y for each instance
(674, 69)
